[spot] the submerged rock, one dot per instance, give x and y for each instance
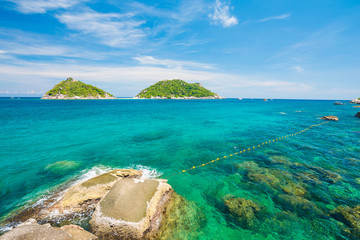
(132, 209)
(298, 204)
(266, 178)
(61, 167)
(350, 217)
(248, 165)
(244, 210)
(318, 175)
(31, 230)
(357, 115)
(294, 189)
(326, 175)
(330, 118)
(182, 220)
(280, 223)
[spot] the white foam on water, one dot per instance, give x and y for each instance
(95, 171)
(282, 113)
(83, 176)
(6, 228)
(87, 174)
(148, 172)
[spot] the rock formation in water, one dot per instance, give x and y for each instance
(331, 118)
(350, 217)
(356, 100)
(31, 230)
(131, 209)
(120, 203)
(242, 209)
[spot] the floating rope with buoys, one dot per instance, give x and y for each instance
(253, 148)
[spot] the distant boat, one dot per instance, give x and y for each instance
(265, 100)
(240, 98)
(338, 103)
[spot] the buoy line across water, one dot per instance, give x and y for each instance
(245, 150)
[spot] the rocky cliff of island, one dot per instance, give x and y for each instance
(356, 100)
(177, 89)
(74, 89)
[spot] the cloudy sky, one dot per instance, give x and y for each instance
(259, 48)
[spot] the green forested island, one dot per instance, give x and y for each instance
(177, 89)
(74, 89)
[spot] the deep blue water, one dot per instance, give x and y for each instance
(167, 136)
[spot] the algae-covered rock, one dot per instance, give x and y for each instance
(62, 167)
(326, 175)
(31, 230)
(182, 220)
(243, 210)
(357, 114)
(350, 217)
(248, 165)
(278, 159)
(132, 209)
(265, 177)
(357, 180)
(308, 178)
(298, 204)
(294, 189)
(280, 223)
(275, 179)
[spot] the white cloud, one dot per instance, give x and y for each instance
(115, 30)
(16, 42)
(128, 81)
(149, 60)
(281, 17)
(222, 15)
(298, 68)
(324, 38)
(42, 6)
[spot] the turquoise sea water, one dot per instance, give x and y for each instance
(166, 136)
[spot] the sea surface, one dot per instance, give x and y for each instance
(293, 185)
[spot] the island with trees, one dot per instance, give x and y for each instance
(74, 89)
(176, 89)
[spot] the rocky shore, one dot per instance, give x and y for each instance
(188, 98)
(356, 100)
(66, 97)
(120, 203)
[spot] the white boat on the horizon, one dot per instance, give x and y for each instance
(240, 98)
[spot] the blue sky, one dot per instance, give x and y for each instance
(259, 48)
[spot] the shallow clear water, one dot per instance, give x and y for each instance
(170, 135)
